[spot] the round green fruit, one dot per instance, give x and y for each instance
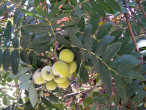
(59, 79)
(51, 85)
(47, 73)
(66, 55)
(64, 85)
(72, 67)
(37, 78)
(61, 69)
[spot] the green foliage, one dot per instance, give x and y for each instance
(33, 32)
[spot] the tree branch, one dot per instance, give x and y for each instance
(138, 2)
(132, 34)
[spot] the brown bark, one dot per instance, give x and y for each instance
(138, 2)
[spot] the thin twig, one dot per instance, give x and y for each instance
(131, 31)
(138, 2)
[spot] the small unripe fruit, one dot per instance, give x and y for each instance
(51, 85)
(47, 73)
(59, 79)
(37, 78)
(66, 55)
(64, 85)
(61, 69)
(72, 67)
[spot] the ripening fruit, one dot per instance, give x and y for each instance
(72, 67)
(59, 79)
(51, 85)
(47, 73)
(64, 85)
(66, 55)
(37, 78)
(61, 69)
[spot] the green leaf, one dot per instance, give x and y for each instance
(21, 71)
(15, 61)
(42, 48)
(71, 22)
(124, 40)
(25, 85)
(67, 7)
(41, 7)
(81, 24)
(136, 28)
(114, 5)
(97, 7)
(132, 85)
(89, 9)
(73, 2)
(24, 56)
(7, 34)
(120, 87)
(25, 77)
(10, 10)
(103, 44)
(28, 107)
(78, 11)
(106, 7)
(84, 74)
(41, 107)
(117, 33)
(135, 90)
(132, 4)
(25, 40)
(104, 30)
(40, 41)
(33, 95)
(31, 13)
(125, 63)
(93, 107)
(62, 40)
(138, 97)
(133, 75)
(33, 58)
(55, 10)
(53, 98)
(87, 38)
(88, 101)
(94, 21)
(40, 28)
(1, 57)
(46, 102)
(103, 108)
(127, 49)
(3, 8)
(111, 51)
(15, 42)
(6, 60)
(96, 64)
(124, 10)
(75, 41)
(20, 18)
(106, 79)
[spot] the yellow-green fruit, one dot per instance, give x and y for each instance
(47, 73)
(61, 69)
(70, 75)
(66, 55)
(64, 85)
(72, 67)
(59, 79)
(37, 78)
(51, 85)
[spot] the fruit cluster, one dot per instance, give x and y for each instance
(59, 73)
